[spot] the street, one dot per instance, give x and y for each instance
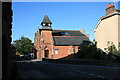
(40, 69)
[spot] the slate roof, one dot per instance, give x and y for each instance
(116, 12)
(67, 33)
(46, 20)
(69, 41)
(69, 37)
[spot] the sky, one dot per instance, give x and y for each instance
(27, 16)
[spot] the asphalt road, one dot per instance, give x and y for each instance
(39, 70)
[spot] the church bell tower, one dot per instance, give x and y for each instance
(46, 23)
(46, 38)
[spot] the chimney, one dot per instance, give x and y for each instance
(110, 8)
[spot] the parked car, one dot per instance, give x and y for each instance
(31, 55)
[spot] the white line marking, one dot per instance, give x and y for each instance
(75, 70)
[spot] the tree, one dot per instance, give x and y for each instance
(24, 45)
(112, 50)
(88, 51)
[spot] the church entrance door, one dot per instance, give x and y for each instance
(46, 53)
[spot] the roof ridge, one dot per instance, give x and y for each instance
(71, 36)
(64, 30)
(117, 10)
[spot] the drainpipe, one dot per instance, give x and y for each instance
(40, 55)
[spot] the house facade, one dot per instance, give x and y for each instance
(55, 44)
(107, 29)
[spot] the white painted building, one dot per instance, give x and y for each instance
(108, 28)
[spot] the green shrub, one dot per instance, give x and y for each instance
(115, 54)
(88, 51)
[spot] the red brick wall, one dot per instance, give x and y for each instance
(37, 44)
(47, 43)
(64, 51)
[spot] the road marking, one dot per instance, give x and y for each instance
(74, 65)
(75, 70)
(81, 65)
(91, 74)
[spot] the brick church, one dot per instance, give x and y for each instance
(56, 44)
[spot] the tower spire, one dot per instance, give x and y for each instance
(46, 23)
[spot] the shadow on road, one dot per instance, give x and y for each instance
(18, 58)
